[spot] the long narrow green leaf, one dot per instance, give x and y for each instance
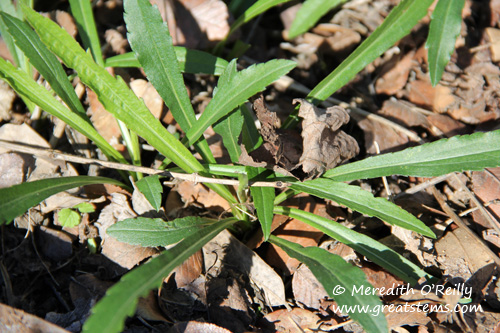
(232, 94)
(333, 272)
(263, 199)
(229, 128)
(250, 135)
(84, 18)
(364, 202)
(370, 248)
(8, 7)
(116, 97)
(113, 93)
(157, 232)
(396, 25)
(17, 199)
(467, 152)
(150, 39)
(44, 61)
(443, 32)
(309, 14)
(18, 56)
(120, 300)
(190, 61)
(25, 86)
(260, 7)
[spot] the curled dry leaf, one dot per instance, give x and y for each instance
(324, 144)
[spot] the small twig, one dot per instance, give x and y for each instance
(458, 221)
(471, 210)
(423, 186)
(195, 178)
(480, 47)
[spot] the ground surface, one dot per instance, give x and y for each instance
(49, 271)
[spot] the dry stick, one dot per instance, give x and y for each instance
(422, 186)
(493, 223)
(471, 210)
(57, 155)
(458, 221)
(286, 82)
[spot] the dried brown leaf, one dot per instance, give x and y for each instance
(325, 145)
(147, 308)
(395, 74)
(189, 270)
(212, 17)
(195, 327)
(145, 90)
(15, 320)
(65, 20)
(226, 249)
(457, 257)
(229, 303)
(12, 169)
(487, 188)
(403, 113)
(494, 37)
(200, 195)
(44, 168)
(297, 320)
(449, 126)
(104, 122)
(386, 137)
(123, 254)
(294, 231)
(307, 290)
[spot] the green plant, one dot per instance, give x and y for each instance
(71, 217)
(154, 52)
(444, 29)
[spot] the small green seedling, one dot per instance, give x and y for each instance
(71, 217)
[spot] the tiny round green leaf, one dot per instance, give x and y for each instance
(68, 218)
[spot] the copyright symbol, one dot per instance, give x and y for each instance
(338, 290)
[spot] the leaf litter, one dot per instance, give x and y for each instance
(395, 86)
(324, 144)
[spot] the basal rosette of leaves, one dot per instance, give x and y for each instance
(42, 42)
